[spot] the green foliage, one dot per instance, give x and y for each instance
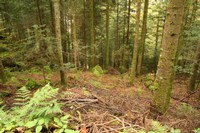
(14, 80)
(62, 124)
(175, 130)
(149, 81)
(97, 70)
(33, 112)
(187, 69)
(4, 94)
(197, 130)
(158, 128)
(69, 66)
(22, 96)
(32, 84)
(187, 108)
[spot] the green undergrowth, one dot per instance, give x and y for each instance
(97, 70)
(99, 85)
(35, 113)
(149, 81)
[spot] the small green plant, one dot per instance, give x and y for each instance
(158, 128)
(35, 113)
(175, 130)
(32, 84)
(149, 81)
(14, 80)
(187, 108)
(61, 123)
(97, 70)
(196, 130)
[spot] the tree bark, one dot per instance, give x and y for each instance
(167, 60)
(92, 42)
(128, 22)
(2, 74)
(156, 44)
(143, 37)
(84, 34)
(56, 4)
(107, 33)
(195, 70)
(75, 44)
(64, 31)
(135, 50)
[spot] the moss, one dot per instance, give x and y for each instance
(14, 80)
(97, 70)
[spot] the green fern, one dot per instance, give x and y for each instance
(158, 128)
(22, 96)
(43, 102)
(33, 112)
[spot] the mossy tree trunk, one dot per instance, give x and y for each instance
(107, 34)
(170, 41)
(56, 5)
(75, 43)
(143, 37)
(84, 35)
(2, 74)
(64, 30)
(92, 41)
(135, 50)
(195, 70)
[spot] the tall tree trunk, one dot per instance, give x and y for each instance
(56, 4)
(39, 12)
(165, 71)
(2, 74)
(64, 31)
(84, 34)
(75, 44)
(135, 50)
(52, 17)
(107, 33)
(143, 37)
(128, 22)
(92, 41)
(194, 70)
(156, 45)
(117, 35)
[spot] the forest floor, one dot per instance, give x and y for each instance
(110, 104)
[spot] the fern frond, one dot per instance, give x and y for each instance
(22, 96)
(41, 103)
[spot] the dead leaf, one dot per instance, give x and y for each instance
(20, 129)
(83, 128)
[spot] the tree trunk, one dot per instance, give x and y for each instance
(92, 42)
(56, 4)
(156, 44)
(2, 74)
(52, 17)
(143, 37)
(195, 70)
(170, 40)
(135, 50)
(75, 44)
(116, 61)
(107, 34)
(128, 22)
(64, 31)
(84, 34)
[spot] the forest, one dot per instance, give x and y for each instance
(99, 66)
